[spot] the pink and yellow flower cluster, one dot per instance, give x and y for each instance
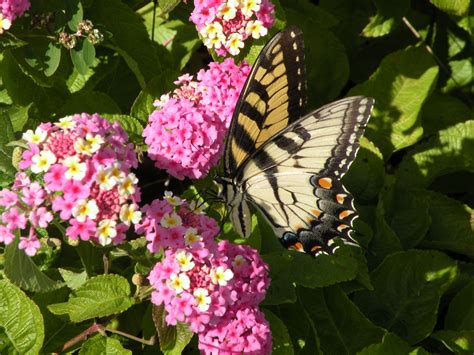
(185, 136)
(214, 287)
(224, 25)
(10, 10)
(76, 171)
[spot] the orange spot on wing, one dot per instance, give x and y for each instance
(340, 198)
(325, 183)
(345, 214)
(316, 212)
(297, 227)
(298, 246)
(315, 249)
(341, 227)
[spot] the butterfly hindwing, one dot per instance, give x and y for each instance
(273, 96)
(293, 179)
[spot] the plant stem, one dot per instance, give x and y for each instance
(80, 337)
(150, 342)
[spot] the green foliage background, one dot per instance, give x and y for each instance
(410, 289)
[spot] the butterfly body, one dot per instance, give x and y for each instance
(286, 164)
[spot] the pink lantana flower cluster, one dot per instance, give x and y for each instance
(77, 172)
(10, 10)
(185, 136)
(224, 25)
(214, 287)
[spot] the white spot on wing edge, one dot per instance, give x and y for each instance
(292, 34)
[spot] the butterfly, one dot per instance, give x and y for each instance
(286, 164)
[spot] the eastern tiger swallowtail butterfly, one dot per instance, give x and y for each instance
(286, 164)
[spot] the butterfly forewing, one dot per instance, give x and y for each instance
(273, 97)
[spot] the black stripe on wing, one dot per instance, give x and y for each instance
(273, 96)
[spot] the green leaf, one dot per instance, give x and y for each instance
(328, 66)
(180, 39)
(407, 290)
(301, 327)
(21, 319)
(22, 271)
(168, 5)
(389, 15)
(8, 40)
(462, 72)
(52, 59)
(130, 38)
(336, 318)
(74, 280)
(352, 17)
(391, 345)
(449, 151)
(365, 177)
(281, 341)
(173, 339)
(452, 7)
(451, 226)
(460, 314)
(384, 241)
(325, 270)
(459, 342)
(441, 111)
(18, 116)
(130, 124)
(400, 86)
(74, 13)
(6, 152)
(83, 56)
(89, 102)
(281, 289)
(23, 90)
(161, 84)
(100, 296)
(100, 344)
(408, 216)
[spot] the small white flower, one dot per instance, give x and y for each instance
(127, 185)
(234, 43)
(173, 200)
(179, 282)
(221, 275)
(82, 147)
(94, 141)
(106, 231)
(212, 30)
(256, 29)
(76, 170)
(129, 214)
(36, 137)
(85, 209)
(171, 220)
(66, 123)
(115, 172)
(203, 300)
(227, 11)
(184, 260)
(104, 179)
(5, 24)
(215, 42)
(239, 260)
(249, 7)
(191, 236)
(42, 161)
